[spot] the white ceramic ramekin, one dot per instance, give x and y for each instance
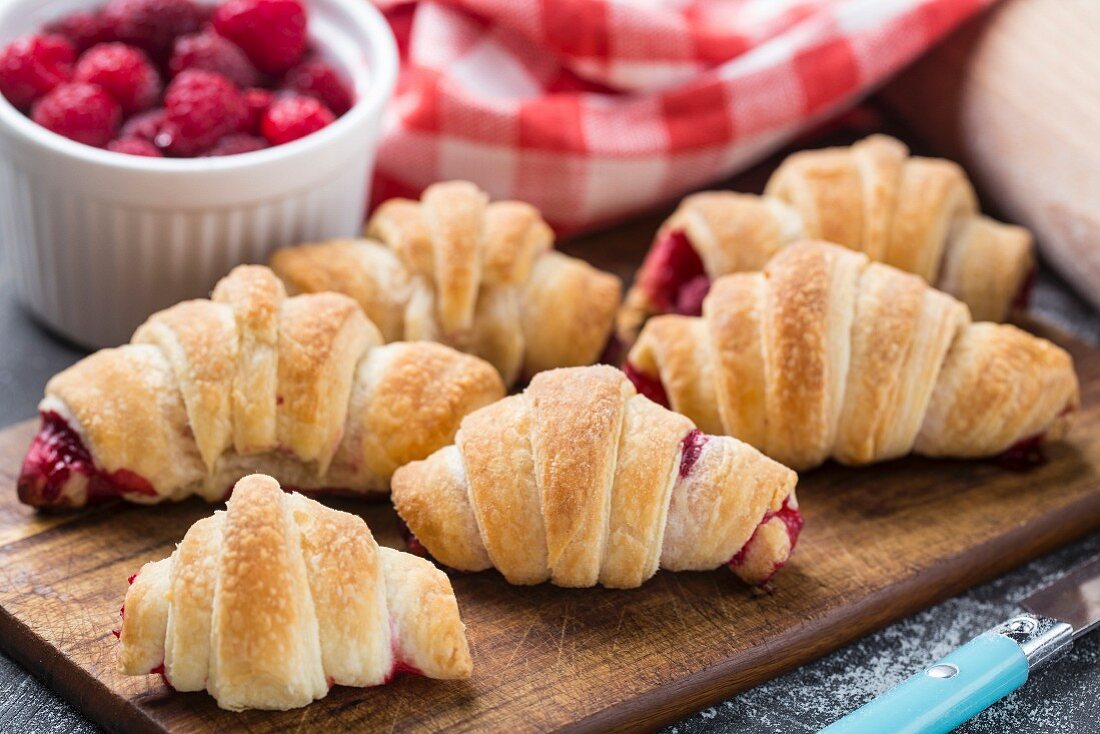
(100, 240)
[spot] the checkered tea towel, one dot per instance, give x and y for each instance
(593, 110)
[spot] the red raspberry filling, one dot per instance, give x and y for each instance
(647, 385)
(612, 353)
(791, 518)
(1022, 300)
(1028, 453)
(125, 54)
(400, 667)
(690, 450)
(58, 455)
(412, 543)
(158, 670)
(33, 66)
(673, 275)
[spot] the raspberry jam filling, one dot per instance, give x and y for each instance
(56, 455)
(412, 543)
(400, 667)
(158, 670)
(792, 518)
(690, 450)
(1022, 301)
(1027, 453)
(612, 353)
(647, 385)
(673, 275)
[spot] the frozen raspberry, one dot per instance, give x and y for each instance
(201, 107)
(315, 78)
(84, 29)
(145, 126)
(81, 112)
(135, 146)
(256, 102)
(236, 144)
(32, 66)
(211, 52)
(271, 32)
(124, 72)
(151, 25)
(290, 118)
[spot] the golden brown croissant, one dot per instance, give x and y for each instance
(481, 277)
(826, 354)
(917, 214)
(580, 481)
(270, 603)
(209, 391)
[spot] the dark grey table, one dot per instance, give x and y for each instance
(1065, 698)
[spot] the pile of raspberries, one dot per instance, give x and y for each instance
(175, 78)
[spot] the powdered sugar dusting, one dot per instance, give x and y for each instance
(1065, 697)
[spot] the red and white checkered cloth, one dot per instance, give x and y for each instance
(593, 110)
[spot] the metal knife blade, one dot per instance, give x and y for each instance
(1074, 599)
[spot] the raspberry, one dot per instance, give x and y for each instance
(211, 52)
(315, 78)
(236, 144)
(201, 108)
(81, 112)
(290, 118)
(256, 102)
(124, 72)
(145, 126)
(84, 29)
(135, 146)
(32, 66)
(271, 32)
(152, 25)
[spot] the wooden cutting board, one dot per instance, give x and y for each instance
(879, 544)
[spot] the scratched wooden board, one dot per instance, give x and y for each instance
(880, 543)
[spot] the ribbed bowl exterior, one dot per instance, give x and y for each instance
(98, 241)
(93, 269)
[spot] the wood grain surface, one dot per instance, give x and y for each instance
(879, 543)
(1015, 97)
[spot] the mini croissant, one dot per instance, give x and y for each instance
(481, 277)
(209, 391)
(581, 481)
(826, 354)
(273, 601)
(917, 214)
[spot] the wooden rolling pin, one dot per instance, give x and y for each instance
(1015, 97)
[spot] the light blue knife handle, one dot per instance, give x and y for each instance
(938, 699)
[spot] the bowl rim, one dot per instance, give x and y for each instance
(381, 68)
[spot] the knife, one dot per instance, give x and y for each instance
(989, 667)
